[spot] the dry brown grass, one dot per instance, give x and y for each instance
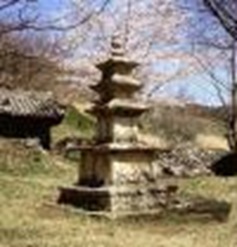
(154, 140)
(30, 216)
(211, 142)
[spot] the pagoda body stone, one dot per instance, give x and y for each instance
(117, 173)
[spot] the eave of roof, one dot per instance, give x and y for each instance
(19, 103)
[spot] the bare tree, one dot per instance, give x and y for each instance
(225, 11)
(151, 33)
(32, 38)
(27, 63)
(212, 32)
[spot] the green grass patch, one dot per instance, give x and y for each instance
(18, 160)
(74, 124)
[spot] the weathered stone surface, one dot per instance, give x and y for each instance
(119, 199)
(117, 173)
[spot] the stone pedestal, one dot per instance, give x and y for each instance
(117, 174)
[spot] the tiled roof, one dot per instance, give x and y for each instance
(29, 104)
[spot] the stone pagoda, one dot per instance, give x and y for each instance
(116, 173)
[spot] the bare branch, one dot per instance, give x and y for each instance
(8, 3)
(228, 22)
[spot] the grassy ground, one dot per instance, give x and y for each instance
(30, 216)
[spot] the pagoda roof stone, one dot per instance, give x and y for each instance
(120, 107)
(117, 61)
(125, 80)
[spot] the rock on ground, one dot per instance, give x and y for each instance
(187, 160)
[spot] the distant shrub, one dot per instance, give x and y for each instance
(178, 124)
(77, 120)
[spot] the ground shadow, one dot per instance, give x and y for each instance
(225, 166)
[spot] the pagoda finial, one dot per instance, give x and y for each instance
(117, 48)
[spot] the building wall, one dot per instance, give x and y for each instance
(26, 127)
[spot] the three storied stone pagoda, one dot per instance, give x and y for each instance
(116, 173)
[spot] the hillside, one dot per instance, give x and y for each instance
(172, 123)
(185, 122)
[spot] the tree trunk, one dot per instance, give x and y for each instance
(232, 130)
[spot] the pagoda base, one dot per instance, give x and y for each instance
(120, 201)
